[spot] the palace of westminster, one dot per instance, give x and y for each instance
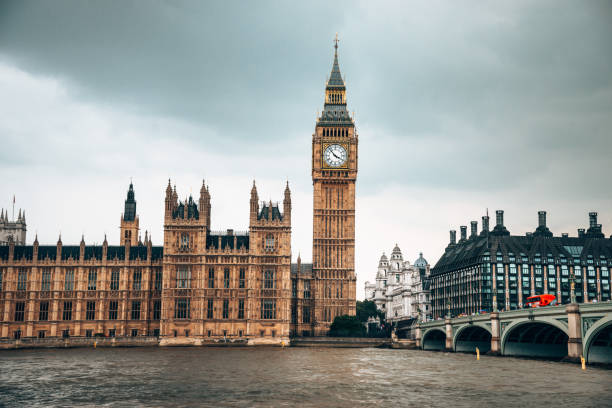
(199, 285)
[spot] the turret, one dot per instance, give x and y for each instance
(129, 220)
(204, 205)
(254, 205)
(287, 205)
(82, 248)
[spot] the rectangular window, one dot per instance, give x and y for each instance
(306, 289)
(67, 312)
(268, 309)
(242, 279)
(157, 310)
(209, 309)
(19, 311)
(69, 280)
(305, 314)
(43, 311)
(241, 308)
(225, 309)
(158, 279)
(577, 270)
(113, 308)
(294, 285)
(22, 279)
(604, 272)
(211, 278)
(137, 281)
(525, 270)
(45, 284)
(135, 310)
(226, 278)
(268, 279)
(564, 271)
(92, 279)
(114, 283)
(183, 277)
(112, 332)
(134, 332)
(91, 311)
(41, 334)
(181, 309)
(591, 271)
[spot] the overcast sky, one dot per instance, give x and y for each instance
(460, 107)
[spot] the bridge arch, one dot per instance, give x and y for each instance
(470, 336)
(535, 338)
(434, 339)
(597, 341)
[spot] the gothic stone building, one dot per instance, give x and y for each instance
(201, 285)
(15, 230)
(495, 270)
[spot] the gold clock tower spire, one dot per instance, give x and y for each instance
(334, 173)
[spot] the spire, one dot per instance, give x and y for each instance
(36, 239)
(335, 78)
(168, 189)
(129, 213)
(287, 193)
(59, 240)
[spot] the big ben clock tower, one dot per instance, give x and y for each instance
(334, 172)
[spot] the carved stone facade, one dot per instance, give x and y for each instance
(199, 286)
(12, 230)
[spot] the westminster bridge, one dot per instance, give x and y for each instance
(566, 331)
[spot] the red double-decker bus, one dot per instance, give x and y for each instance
(541, 300)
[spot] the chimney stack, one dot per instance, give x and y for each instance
(463, 233)
(580, 232)
(592, 219)
(499, 218)
(474, 232)
(485, 223)
(541, 218)
(453, 237)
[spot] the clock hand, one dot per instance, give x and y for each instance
(335, 155)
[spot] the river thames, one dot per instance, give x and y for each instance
(315, 377)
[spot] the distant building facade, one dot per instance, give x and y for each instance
(14, 230)
(495, 270)
(401, 290)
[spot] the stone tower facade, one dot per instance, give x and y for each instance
(14, 230)
(334, 173)
(225, 284)
(129, 221)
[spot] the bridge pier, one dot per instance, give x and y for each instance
(418, 335)
(574, 343)
(449, 334)
(495, 335)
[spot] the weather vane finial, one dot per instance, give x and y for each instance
(336, 42)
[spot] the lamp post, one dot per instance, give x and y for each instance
(495, 300)
(448, 308)
(572, 287)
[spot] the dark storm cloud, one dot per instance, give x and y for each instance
(448, 95)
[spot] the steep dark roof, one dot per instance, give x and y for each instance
(267, 212)
(542, 247)
(23, 251)
(45, 251)
(305, 269)
(186, 210)
(138, 252)
(113, 252)
(69, 251)
(157, 253)
(93, 252)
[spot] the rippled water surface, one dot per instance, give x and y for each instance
(321, 377)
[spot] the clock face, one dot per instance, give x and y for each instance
(335, 155)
